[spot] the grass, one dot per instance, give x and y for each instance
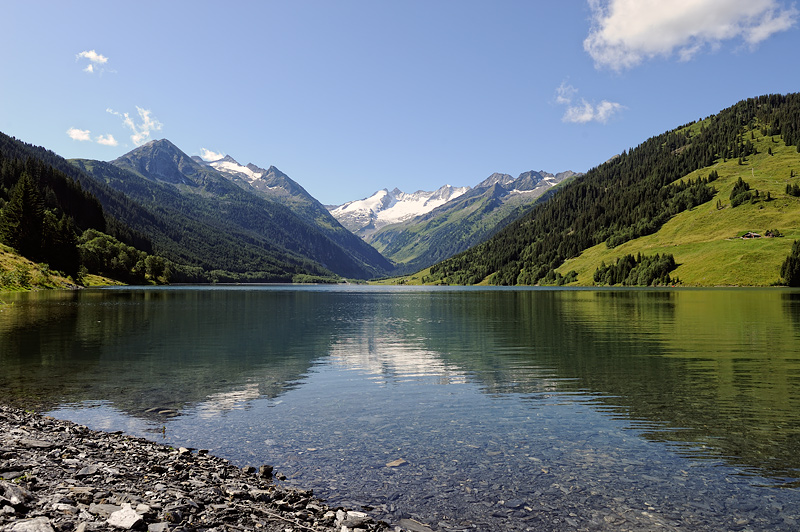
(92, 280)
(415, 279)
(705, 240)
(20, 274)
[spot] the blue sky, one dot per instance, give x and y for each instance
(348, 97)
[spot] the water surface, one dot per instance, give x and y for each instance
(495, 409)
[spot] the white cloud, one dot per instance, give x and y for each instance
(208, 155)
(106, 140)
(93, 56)
(85, 135)
(579, 114)
(94, 59)
(78, 134)
(583, 111)
(564, 93)
(626, 32)
(141, 131)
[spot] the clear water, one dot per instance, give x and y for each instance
(466, 409)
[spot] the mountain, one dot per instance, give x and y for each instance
(420, 229)
(364, 217)
(274, 185)
(194, 215)
(683, 198)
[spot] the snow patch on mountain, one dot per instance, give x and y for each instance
(228, 165)
(388, 207)
(385, 207)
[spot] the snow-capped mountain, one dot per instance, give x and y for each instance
(270, 182)
(388, 207)
(366, 216)
(405, 229)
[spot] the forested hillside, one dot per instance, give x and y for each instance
(629, 197)
(195, 234)
(46, 216)
(197, 217)
(740, 238)
(275, 186)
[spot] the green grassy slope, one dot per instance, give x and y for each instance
(19, 273)
(705, 240)
(660, 197)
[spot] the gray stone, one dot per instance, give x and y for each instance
(103, 510)
(35, 444)
(514, 503)
(353, 519)
(143, 509)
(66, 508)
(82, 494)
(16, 495)
(126, 518)
(87, 471)
(265, 471)
(260, 495)
(37, 524)
(413, 526)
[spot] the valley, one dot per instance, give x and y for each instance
(688, 195)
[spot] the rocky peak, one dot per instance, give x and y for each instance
(496, 177)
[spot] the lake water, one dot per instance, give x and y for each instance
(465, 409)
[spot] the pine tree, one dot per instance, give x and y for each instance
(790, 270)
(60, 244)
(21, 221)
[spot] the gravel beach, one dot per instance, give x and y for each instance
(58, 476)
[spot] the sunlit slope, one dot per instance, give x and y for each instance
(705, 240)
(659, 196)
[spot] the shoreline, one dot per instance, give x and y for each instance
(58, 476)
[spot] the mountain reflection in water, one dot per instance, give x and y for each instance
(709, 375)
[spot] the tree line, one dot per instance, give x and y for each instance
(641, 270)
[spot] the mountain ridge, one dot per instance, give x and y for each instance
(384, 207)
(274, 185)
(197, 193)
(448, 227)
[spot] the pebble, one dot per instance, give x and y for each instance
(75, 479)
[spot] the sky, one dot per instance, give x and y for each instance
(351, 96)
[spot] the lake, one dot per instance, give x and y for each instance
(463, 408)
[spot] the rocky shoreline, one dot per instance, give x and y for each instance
(57, 476)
